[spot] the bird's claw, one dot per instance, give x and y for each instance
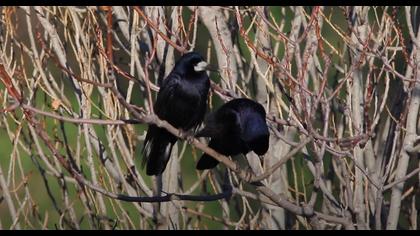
(190, 139)
(187, 135)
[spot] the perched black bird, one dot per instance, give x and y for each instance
(182, 101)
(236, 127)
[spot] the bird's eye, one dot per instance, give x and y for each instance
(201, 66)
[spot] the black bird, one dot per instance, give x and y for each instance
(236, 127)
(181, 101)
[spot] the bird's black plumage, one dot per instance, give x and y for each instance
(182, 101)
(237, 127)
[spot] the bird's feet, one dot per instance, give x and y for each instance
(187, 135)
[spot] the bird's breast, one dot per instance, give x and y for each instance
(185, 108)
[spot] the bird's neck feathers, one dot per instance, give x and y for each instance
(192, 75)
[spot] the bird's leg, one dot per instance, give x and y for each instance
(188, 135)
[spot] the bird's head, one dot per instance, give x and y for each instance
(192, 63)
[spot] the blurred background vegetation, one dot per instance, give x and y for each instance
(44, 201)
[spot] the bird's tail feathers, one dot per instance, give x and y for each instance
(157, 150)
(206, 162)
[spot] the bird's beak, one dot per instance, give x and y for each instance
(201, 66)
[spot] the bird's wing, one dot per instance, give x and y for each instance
(220, 123)
(211, 127)
(178, 102)
(234, 119)
(166, 94)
